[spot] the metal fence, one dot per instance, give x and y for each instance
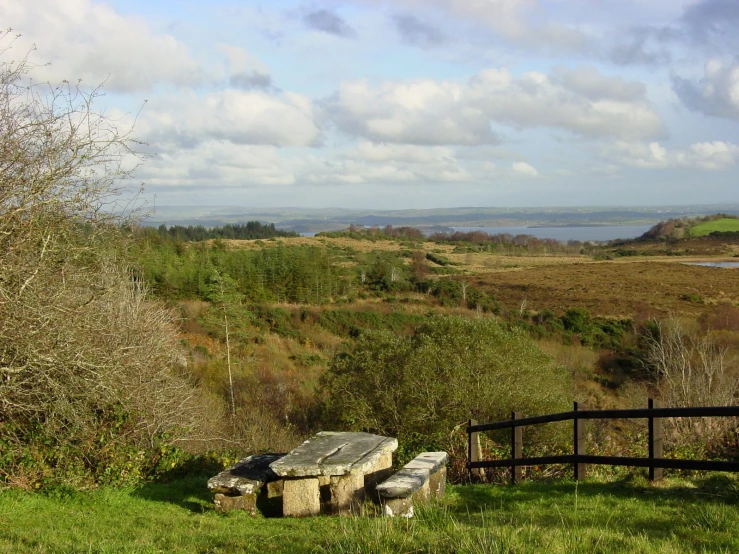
(654, 414)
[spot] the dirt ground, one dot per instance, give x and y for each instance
(614, 288)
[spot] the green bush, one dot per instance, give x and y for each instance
(439, 259)
(450, 370)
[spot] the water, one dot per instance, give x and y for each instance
(715, 264)
(583, 234)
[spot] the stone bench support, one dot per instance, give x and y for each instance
(420, 480)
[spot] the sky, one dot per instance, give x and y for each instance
(373, 104)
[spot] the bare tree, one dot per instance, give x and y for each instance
(79, 342)
(464, 286)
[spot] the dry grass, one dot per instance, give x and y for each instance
(358, 245)
(615, 288)
(575, 357)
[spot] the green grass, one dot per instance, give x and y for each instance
(561, 517)
(724, 225)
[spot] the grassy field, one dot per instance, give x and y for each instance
(725, 224)
(630, 515)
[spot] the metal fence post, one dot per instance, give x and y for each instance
(516, 448)
(655, 441)
(580, 470)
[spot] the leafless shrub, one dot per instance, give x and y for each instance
(692, 368)
(78, 338)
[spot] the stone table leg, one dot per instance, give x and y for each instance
(301, 497)
(347, 493)
(381, 471)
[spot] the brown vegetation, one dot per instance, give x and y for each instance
(92, 383)
(615, 288)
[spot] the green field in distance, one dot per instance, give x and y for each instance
(725, 224)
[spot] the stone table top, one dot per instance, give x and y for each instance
(332, 453)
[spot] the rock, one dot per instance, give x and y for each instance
(226, 503)
(246, 476)
(437, 483)
(347, 493)
(421, 479)
(301, 498)
(428, 460)
(404, 483)
(238, 486)
(382, 470)
(331, 453)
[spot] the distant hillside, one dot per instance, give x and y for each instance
(721, 226)
(718, 225)
(314, 220)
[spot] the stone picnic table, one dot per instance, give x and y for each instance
(337, 469)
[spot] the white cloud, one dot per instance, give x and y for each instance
(217, 164)
(712, 156)
(424, 112)
(717, 93)
(590, 83)
(239, 60)
(486, 152)
(373, 152)
(443, 112)
(238, 116)
(400, 163)
(85, 40)
(709, 155)
(524, 169)
(245, 70)
(323, 171)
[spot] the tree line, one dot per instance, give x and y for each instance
(296, 274)
(251, 230)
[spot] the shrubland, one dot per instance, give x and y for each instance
(381, 355)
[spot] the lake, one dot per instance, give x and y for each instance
(595, 233)
(715, 264)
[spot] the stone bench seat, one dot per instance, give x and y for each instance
(238, 486)
(420, 480)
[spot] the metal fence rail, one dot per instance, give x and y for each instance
(579, 459)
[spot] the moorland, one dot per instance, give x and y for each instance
(136, 361)
(271, 327)
(274, 331)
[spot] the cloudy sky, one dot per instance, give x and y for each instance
(410, 103)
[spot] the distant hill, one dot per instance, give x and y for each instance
(715, 225)
(719, 227)
(313, 220)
